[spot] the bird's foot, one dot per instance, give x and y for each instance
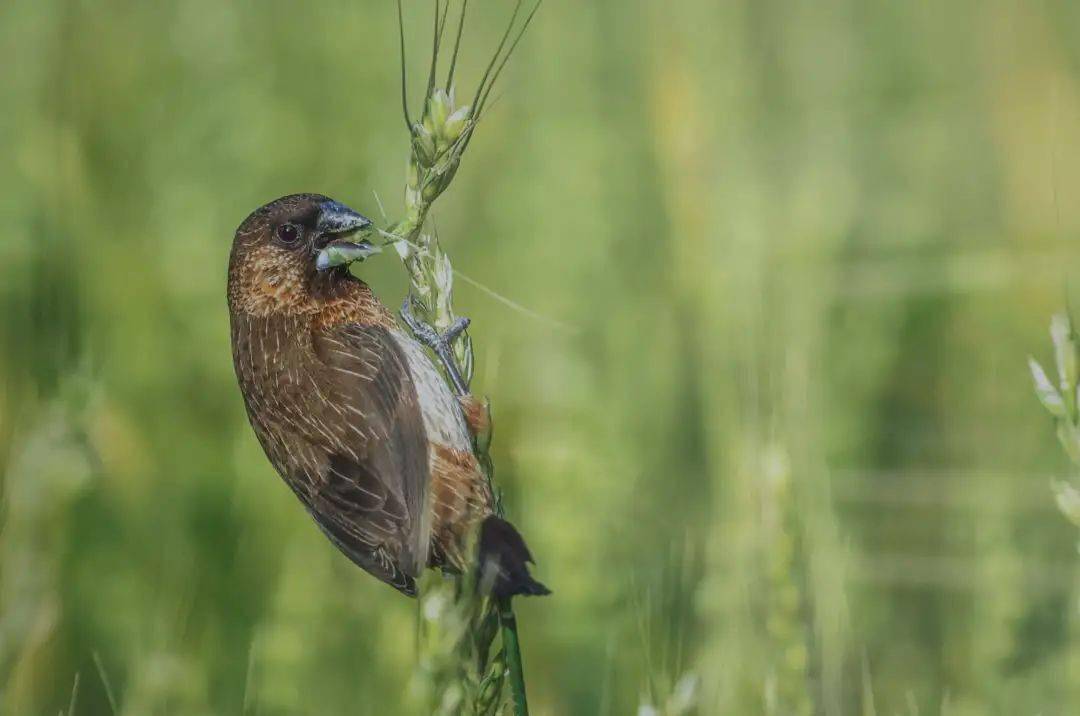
(427, 334)
(440, 343)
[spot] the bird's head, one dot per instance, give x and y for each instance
(293, 251)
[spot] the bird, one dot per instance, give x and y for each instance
(351, 410)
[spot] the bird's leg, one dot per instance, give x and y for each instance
(477, 411)
(440, 343)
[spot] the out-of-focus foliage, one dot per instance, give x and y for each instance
(786, 460)
(1061, 401)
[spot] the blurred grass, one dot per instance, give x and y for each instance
(790, 447)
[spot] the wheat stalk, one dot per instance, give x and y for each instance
(460, 670)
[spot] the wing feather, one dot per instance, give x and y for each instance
(366, 480)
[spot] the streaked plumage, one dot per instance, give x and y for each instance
(350, 410)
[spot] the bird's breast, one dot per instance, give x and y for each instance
(440, 410)
(459, 495)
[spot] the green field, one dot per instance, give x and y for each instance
(772, 438)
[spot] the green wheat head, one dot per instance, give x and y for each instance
(460, 668)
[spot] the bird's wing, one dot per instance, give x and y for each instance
(367, 482)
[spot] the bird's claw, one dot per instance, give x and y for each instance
(427, 334)
(440, 343)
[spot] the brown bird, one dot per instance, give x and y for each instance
(351, 411)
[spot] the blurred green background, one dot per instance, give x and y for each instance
(787, 449)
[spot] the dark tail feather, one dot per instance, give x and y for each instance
(504, 558)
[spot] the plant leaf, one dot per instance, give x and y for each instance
(1046, 392)
(1068, 500)
(1061, 334)
(1069, 437)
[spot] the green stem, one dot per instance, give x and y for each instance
(437, 147)
(507, 621)
(512, 651)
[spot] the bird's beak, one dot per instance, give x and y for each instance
(337, 243)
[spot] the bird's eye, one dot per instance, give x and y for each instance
(288, 233)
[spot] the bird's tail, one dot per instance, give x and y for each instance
(504, 560)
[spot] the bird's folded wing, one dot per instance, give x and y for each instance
(368, 477)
